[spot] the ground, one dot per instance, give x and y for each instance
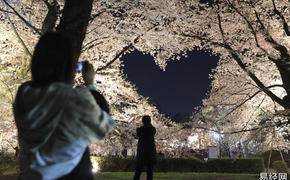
(159, 176)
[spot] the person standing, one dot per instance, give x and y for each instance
(146, 150)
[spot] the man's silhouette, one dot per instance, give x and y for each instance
(146, 151)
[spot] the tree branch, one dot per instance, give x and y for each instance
(117, 56)
(232, 132)
(9, 89)
(123, 51)
(6, 11)
(89, 46)
(51, 16)
(241, 64)
(283, 63)
(19, 38)
(246, 124)
(249, 98)
(283, 50)
(23, 19)
(94, 16)
(252, 75)
(285, 25)
(251, 28)
(220, 25)
(240, 131)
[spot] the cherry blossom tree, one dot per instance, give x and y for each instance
(127, 105)
(250, 37)
(250, 83)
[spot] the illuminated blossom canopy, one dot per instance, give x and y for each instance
(251, 37)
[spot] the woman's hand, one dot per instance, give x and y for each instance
(88, 73)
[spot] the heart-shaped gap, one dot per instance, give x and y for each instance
(179, 88)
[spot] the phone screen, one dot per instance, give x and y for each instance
(79, 66)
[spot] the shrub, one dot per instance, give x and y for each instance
(179, 165)
(275, 156)
(280, 166)
(8, 162)
(114, 164)
(220, 165)
(253, 165)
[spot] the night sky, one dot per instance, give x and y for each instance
(178, 89)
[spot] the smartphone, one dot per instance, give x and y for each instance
(79, 67)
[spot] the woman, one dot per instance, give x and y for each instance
(55, 121)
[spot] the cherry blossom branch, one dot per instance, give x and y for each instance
(87, 46)
(232, 132)
(283, 62)
(239, 61)
(282, 49)
(254, 77)
(246, 124)
(126, 48)
(241, 64)
(249, 98)
(94, 16)
(9, 89)
(251, 28)
(22, 18)
(241, 131)
(122, 121)
(21, 41)
(6, 11)
(220, 25)
(285, 25)
(19, 38)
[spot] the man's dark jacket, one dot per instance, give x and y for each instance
(146, 150)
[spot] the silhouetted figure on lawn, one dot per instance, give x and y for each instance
(146, 151)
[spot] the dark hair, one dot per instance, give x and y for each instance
(146, 120)
(52, 60)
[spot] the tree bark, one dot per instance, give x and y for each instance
(74, 22)
(281, 154)
(269, 158)
(285, 76)
(51, 16)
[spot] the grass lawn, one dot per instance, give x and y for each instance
(177, 176)
(157, 176)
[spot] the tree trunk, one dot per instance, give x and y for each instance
(281, 154)
(74, 22)
(269, 159)
(285, 76)
(270, 155)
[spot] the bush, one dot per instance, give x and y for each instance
(280, 166)
(8, 162)
(220, 165)
(114, 164)
(179, 165)
(274, 157)
(254, 165)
